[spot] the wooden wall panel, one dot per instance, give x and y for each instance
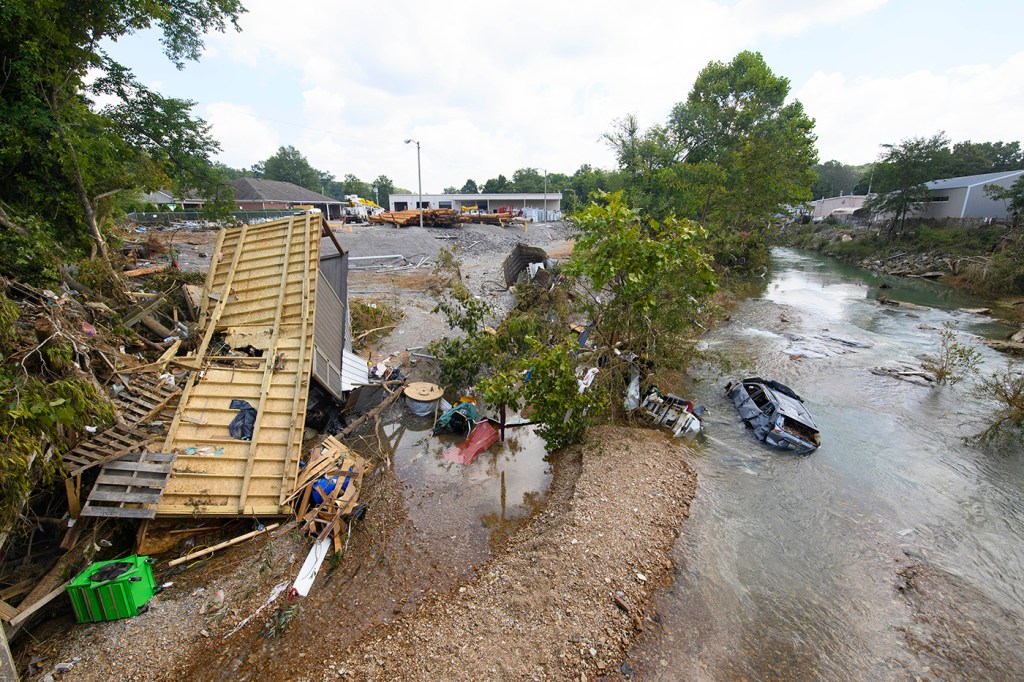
(262, 281)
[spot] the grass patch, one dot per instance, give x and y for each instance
(372, 320)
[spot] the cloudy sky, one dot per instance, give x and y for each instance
(489, 87)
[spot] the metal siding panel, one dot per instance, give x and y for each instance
(354, 371)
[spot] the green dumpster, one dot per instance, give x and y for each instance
(108, 590)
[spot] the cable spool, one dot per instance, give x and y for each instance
(421, 397)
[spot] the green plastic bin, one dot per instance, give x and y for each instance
(108, 590)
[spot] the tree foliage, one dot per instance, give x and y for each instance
(289, 165)
(1013, 196)
(901, 173)
(732, 156)
(1006, 387)
(62, 159)
(835, 178)
(954, 361)
(649, 279)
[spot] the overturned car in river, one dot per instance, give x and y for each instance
(776, 414)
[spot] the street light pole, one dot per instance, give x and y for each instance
(419, 178)
(545, 209)
(545, 195)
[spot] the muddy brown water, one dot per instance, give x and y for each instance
(788, 564)
(460, 510)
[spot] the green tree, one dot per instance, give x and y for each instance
(736, 119)
(901, 173)
(527, 180)
(975, 158)
(469, 187)
(733, 156)
(1006, 387)
(289, 165)
(954, 360)
(1013, 196)
(834, 178)
(385, 188)
(498, 184)
(59, 157)
(649, 279)
(354, 185)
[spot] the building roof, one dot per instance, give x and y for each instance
(494, 196)
(972, 180)
(256, 189)
(161, 196)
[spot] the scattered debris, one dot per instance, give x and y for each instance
(680, 415)
(328, 490)
(901, 304)
(228, 543)
(521, 257)
(480, 438)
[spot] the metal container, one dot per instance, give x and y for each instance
(108, 590)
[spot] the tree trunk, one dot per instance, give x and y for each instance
(5, 221)
(83, 195)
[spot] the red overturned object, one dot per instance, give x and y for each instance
(483, 436)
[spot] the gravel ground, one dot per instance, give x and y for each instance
(568, 594)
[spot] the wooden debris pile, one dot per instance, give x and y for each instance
(432, 217)
(499, 219)
(334, 474)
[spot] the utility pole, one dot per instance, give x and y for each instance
(419, 178)
(545, 209)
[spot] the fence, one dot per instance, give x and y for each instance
(197, 219)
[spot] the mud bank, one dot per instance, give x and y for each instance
(568, 594)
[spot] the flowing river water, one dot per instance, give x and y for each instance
(789, 566)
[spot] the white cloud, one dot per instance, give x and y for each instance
(979, 102)
(486, 87)
(244, 138)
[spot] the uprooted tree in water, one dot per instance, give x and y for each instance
(637, 286)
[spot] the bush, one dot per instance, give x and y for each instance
(954, 360)
(1007, 388)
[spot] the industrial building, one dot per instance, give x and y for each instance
(539, 206)
(965, 197)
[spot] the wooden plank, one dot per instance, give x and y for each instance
(73, 487)
(7, 612)
(120, 512)
(26, 613)
(215, 267)
(301, 388)
(123, 478)
(222, 545)
(17, 589)
(268, 371)
(120, 496)
(118, 465)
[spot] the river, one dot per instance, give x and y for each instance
(789, 566)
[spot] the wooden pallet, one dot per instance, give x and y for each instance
(141, 401)
(130, 487)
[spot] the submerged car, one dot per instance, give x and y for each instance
(775, 413)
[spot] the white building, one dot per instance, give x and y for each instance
(536, 205)
(965, 197)
(840, 207)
